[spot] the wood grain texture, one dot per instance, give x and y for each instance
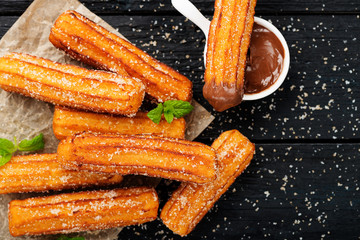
(131, 7)
(289, 191)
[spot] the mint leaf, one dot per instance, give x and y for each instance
(5, 157)
(155, 114)
(70, 238)
(169, 113)
(37, 143)
(181, 108)
(171, 109)
(7, 148)
(7, 145)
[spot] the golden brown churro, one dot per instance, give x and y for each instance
(68, 122)
(42, 172)
(228, 43)
(70, 85)
(86, 41)
(83, 211)
(191, 201)
(139, 154)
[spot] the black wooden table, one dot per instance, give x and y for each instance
(303, 182)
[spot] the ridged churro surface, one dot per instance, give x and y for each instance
(86, 41)
(191, 201)
(42, 172)
(139, 154)
(69, 85)
(83, 211)
(228, 44)
(68, 122)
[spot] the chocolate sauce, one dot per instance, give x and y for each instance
(266, 60)
(222, 96)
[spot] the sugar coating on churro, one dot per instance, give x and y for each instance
(69, 85)
(42, 172)
(86, 41)
(139, 154)
(228, 44)
(67, 122)
(191, 201)
(83, 211)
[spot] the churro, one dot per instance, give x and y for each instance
(228, 44)
(191, 201)
(42, 172)
(69, 85)
(86, 41)
(68, 122)
(139, 154)
(83, 211)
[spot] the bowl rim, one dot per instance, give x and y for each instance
(286, 66)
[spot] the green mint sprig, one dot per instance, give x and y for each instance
(7, 148)
(63, 237)
(170, 109)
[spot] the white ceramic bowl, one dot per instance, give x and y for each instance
(284, 72)
(186, 8)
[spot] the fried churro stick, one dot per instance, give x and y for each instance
(83, 211)
(70, 85)
(68, 122)
(139, 154)
(228, 43)
(37, 173)
(190, 202)
(86, 41)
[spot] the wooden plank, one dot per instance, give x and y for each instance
(319, 99)
(164, 7)
(293, 191)
(5, 23)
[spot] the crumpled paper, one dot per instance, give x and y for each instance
(25, 117)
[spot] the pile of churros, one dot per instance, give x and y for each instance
(104, 136)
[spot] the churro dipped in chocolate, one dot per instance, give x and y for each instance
(139, 154)
(86, 41)
(42, 172)
(228, 43)
(68, 122)
(191, 201)
(83, 211)
(69, 85)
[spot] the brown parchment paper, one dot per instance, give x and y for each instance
(25, 117)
